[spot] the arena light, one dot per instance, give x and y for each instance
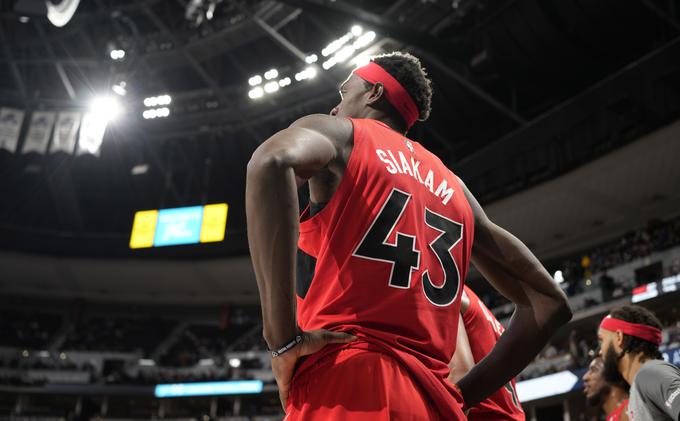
(236, 387)
(255, 80)
(105, 108)
(284, 82)
(145, 362)
(270, 87)
(364, 40)
(256, 93)
(117, 54)
(336, 45)
(24, 19)
(234, 362)
(361, 59)
(558, 277)
(156, 113)
(357, 30)
(308, 73)
(206, 362)
(345, 53)
(119, 88)
(312, 58)
(271, 74)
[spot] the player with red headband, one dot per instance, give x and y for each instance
(360, 295)
(629, 343)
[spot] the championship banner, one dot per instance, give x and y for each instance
(10, 128)
(39, 131)
(91, 134)
(65, 131)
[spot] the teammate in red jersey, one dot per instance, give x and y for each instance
(611, 397)
(476, 338)
(384, 250)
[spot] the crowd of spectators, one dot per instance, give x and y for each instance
(118, 334)
(580, 271)
(24, 330)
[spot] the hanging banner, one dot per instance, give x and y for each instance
(39, 131)
(10, 128)
(91, 133)
(64, 136)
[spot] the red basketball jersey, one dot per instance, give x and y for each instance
(483, 331)
(385, 259)
(615, 415)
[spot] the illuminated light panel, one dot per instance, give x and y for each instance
(214, 222)
(208, 388)
(175, 226)
(143, 229)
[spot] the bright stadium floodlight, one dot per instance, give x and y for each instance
(234, 362)
(284, 82)
(311, 72)
(150, 101)
(256, 93)
(163, 112)
(357, 30)
(312, 58)
(559, 278)
(117, 54)
(270, 87)
(105, 108)
(255, 80)
(329, 63)
(361, 59)
(271, 74)
(344, 53)
(147, 114)
(364, 40)
(336, 45)
(163, 99)
(119, 88)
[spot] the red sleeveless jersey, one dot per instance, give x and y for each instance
(483, 331)
(615, 415)
(386, 257)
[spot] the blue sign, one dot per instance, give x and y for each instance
(208, 388)
(178, 226)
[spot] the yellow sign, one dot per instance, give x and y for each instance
(214, 222)
(143, 229)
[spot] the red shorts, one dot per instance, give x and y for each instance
(356, 385)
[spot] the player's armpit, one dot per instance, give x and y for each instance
(541, 307)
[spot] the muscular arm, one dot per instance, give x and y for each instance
(541, 306)
(275, 171)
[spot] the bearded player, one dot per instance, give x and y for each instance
(478, 332)
(629, 343)
(384, 248)
(612, 398)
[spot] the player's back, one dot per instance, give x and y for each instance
(483, 331)
(387, 256)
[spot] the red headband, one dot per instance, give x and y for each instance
(648, 333)
(394, 92)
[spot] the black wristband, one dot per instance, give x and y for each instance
(287, 347)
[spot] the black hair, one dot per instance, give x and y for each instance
(409, 72)
(632, 344)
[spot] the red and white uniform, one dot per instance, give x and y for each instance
(483, 331)
(615, 415)
(389, 255)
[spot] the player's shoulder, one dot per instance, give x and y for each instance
(654, 370)
(328, 125)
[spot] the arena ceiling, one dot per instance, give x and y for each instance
(507, 75)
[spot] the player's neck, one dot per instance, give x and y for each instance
(631, 364)
(614, 399)
(393, 122)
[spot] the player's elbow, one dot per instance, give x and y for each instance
(559, 310)
(267, 161)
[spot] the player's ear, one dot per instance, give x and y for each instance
(618, 341)
(376, 92)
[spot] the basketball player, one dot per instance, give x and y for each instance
(384, 248)
(612, 398)
(476, 338)
(629, 344)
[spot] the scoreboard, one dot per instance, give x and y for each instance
(175, 226)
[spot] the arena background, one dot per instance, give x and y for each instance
(560, 115)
